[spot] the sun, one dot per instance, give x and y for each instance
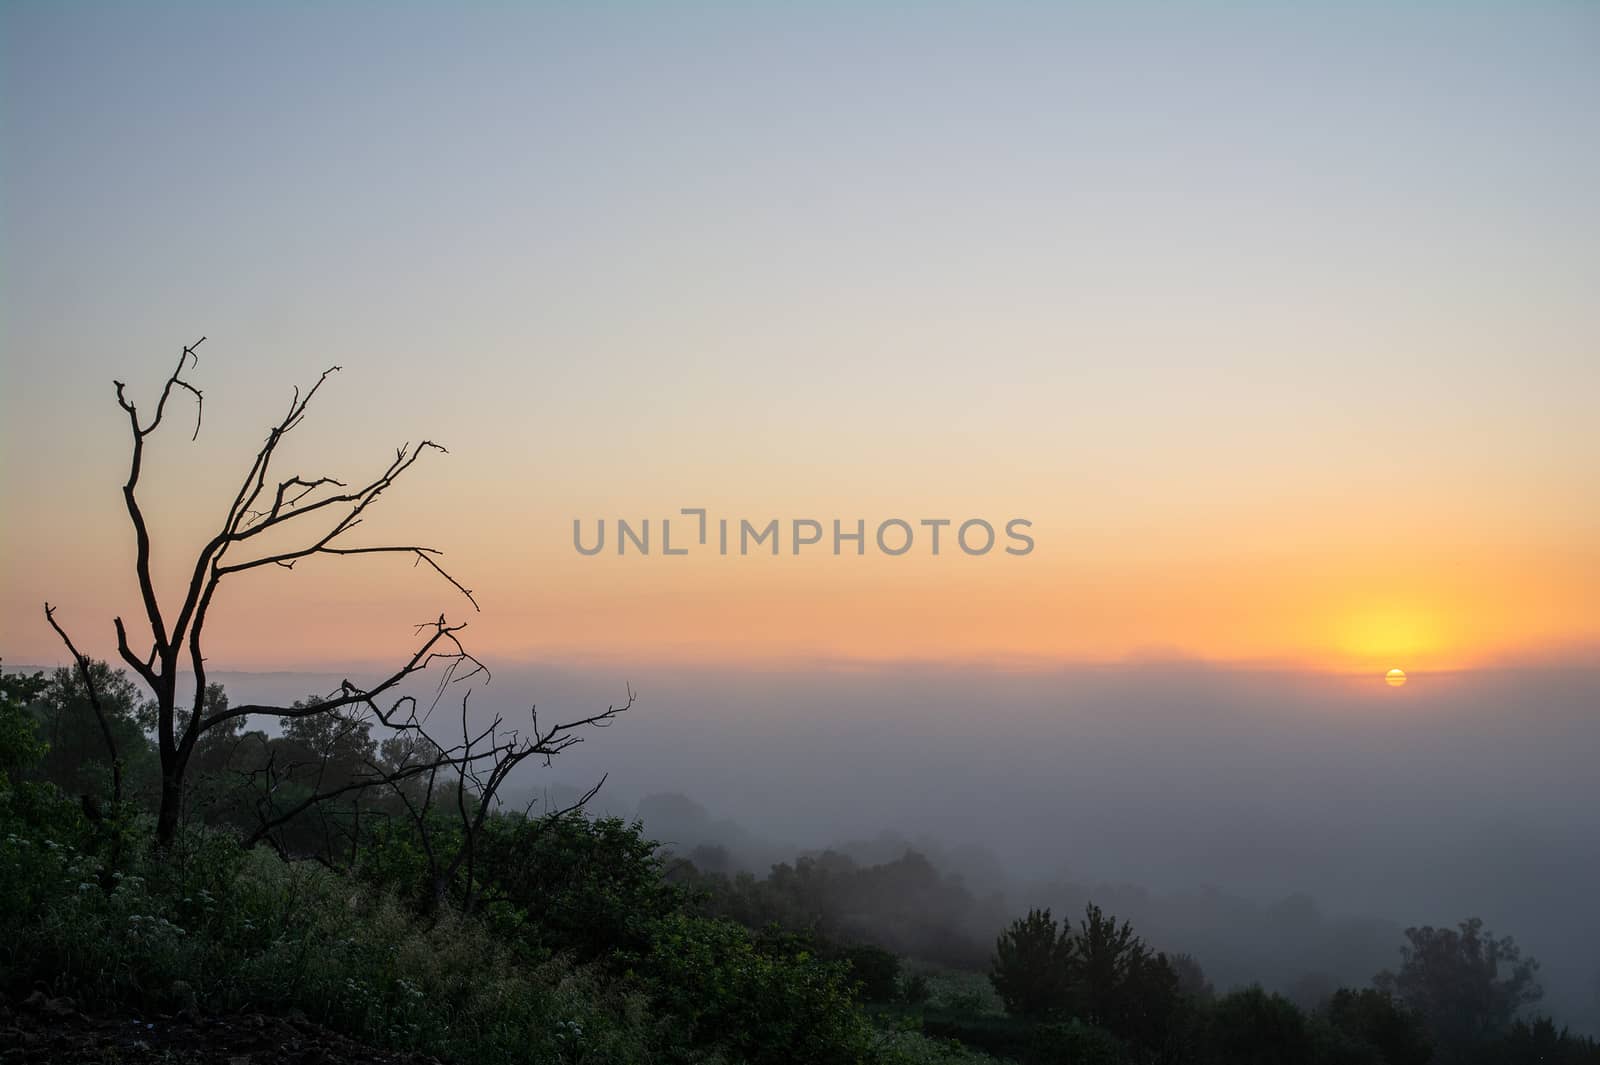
(1395, 677)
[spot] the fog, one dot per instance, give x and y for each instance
(1282, 826)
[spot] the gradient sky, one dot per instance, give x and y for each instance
(1280, 326)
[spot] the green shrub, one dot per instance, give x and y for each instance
(904, 1047)
(915, 989)
(1331, 1045)
(1073, 1043)
(876, 971)
(994, 1033)
(231, 929)
(1252, 1027)
(721, 991)
(1376, 1019)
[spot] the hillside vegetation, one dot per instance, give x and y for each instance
(415, 919)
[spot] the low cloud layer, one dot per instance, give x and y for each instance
(1460, 794)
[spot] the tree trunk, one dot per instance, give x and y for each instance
(171, 807)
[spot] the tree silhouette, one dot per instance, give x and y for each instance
(1032, 965)
(1378, 1020)
(1466, 984)
(274, 522)
(1253, 1027)
(1118, 982)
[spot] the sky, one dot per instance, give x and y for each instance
(1278, 326)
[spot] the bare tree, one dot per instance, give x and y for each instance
(480, 772)
(424, 777)
(307, 516)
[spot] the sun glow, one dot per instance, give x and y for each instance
(1370, 636)
(1395, 678)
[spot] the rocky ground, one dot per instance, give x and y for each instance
(41, 1030)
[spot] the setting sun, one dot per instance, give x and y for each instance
(1395, 677)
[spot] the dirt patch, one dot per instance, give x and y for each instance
(41, 1029)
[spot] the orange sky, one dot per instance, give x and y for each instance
(1279, 326)
(1254, 581)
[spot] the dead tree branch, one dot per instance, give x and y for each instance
(82, 661)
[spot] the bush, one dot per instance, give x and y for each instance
(1073, 1043)
(720, 991)
(906, 1047)
(1538, 1043)
(875, 970)
(232, 928)
(580, 887)
(992, 1033)
(915, 989)
(1376, 1019)
(1251, 1027)
(1331, 1045)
